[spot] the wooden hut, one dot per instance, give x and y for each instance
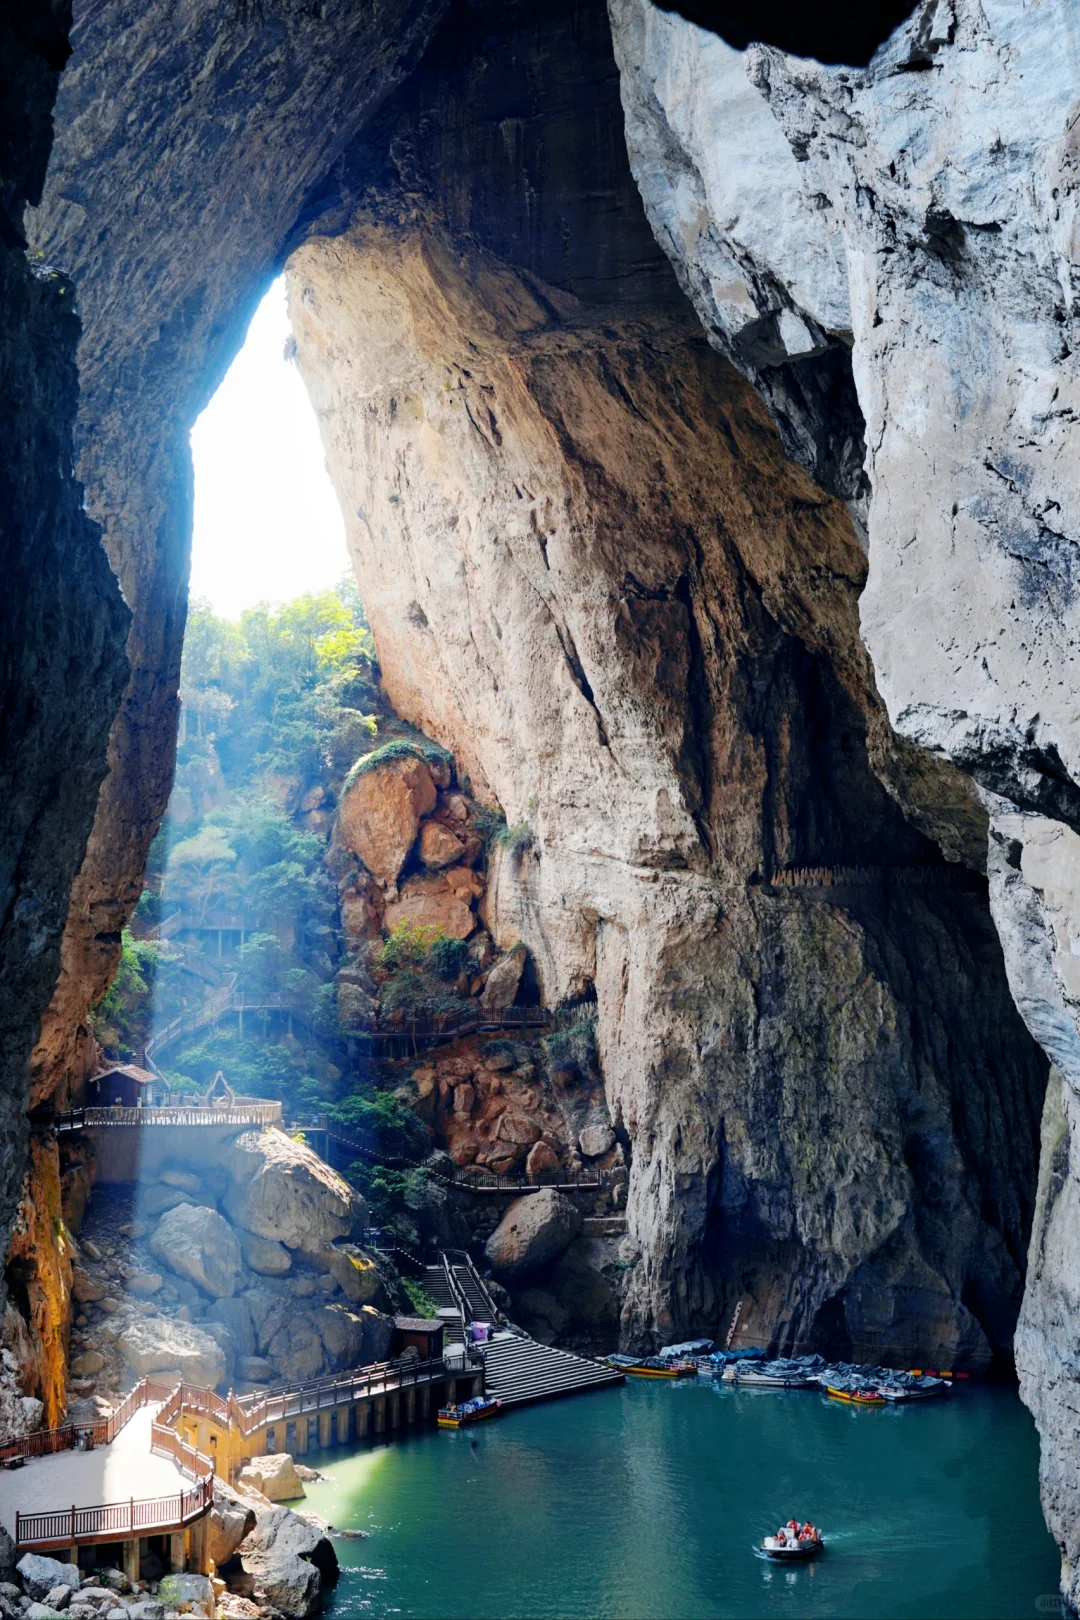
(121, 1085)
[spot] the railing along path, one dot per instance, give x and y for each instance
(114, 1520)
(248, 1413)
(464, 1177)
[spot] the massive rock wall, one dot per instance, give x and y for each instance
(187, 140)
(935, 193)
(62, 666)
(593, 574)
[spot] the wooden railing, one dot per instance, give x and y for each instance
(254, 1112)
(465, 1177)
(46, 1442)
(138, 1516)
(255, 1411)
(114, 1521)
(142, 1516)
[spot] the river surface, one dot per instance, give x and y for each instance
(645, 1503)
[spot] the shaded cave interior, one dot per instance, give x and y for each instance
(728, 584)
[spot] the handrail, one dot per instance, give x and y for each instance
(478, 1282)
(236, 1113)
(153, 1515)
(465, 1177)
(457, 1294)
(46, 1442)
(272, 1406)
(138, 1516)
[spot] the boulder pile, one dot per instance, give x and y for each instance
(254, 1276)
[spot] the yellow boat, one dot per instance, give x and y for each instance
(651, 1367)
(857, 1397)
(477, 1410)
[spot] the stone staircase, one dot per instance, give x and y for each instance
(520, 1370)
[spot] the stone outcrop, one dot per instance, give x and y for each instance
(318, 1315)
(638, 633)
(533, 1231)
(379, 814)
(599, 571)
(158, 1345)
(289, 1562)
(62, 628)
(196, 1243)
(275, 1476)
(282, 1191)
(946, 265)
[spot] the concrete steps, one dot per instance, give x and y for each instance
(519, 1370)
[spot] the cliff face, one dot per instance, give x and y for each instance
(928, 229)
(593, 574)
(620, 580)
(62, 627)
(186, 144)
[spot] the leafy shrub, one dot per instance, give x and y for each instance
(121, 1019)
(421, 946)
(419, 1298)
(574, 1044)
(417, 747)
(515, 839)
(448, 957)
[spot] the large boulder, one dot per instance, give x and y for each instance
(199, 1244)
(275, 1476)
(500, 990)
(235, 1315)
(280, 1189)
(533, 1231)
(430, 901)
(40, 1575)
(289, 1560)
(157, 1344)
(438, 846)
(379, 814)
(230, 1521)
(84, 1288)
(355, 1273)
(296, 1349)
(264, 1255)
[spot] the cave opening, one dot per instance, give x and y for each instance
(234, 904)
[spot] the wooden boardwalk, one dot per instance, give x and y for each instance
(112, 1493)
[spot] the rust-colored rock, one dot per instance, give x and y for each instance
(379, 815)
(501, 988)
(438, 846)
(542, 1158)
(361, 913)
(428, 901)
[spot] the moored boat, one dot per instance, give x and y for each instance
(767, 1375)
(914, 1387)
(855, 1395)
(650, 1366)
(478, 1410)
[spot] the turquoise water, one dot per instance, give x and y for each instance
(646, 1501)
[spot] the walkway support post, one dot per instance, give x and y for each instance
(176, 1552)
(325, 1420)
(199, 1546)
(131, 1558)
